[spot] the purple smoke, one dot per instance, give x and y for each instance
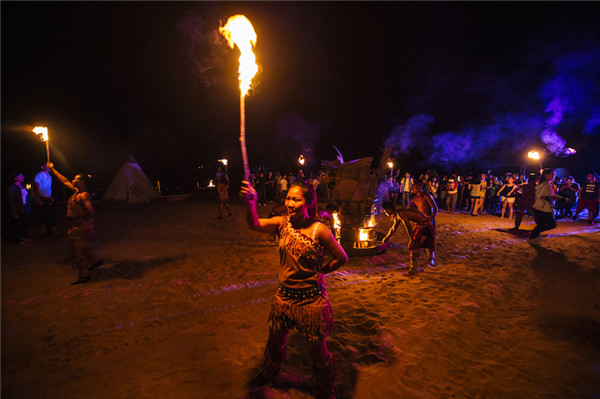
(406, 137)
(571, 95)
(297, 136)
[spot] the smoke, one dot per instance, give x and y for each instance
(572, 94)
(206, 48)
(521, 108)
(406, 137)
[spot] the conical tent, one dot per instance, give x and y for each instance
(131, 185)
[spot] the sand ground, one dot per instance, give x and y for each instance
(179, 309)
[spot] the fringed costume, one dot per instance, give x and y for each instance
(81, 235)
(421, 230)
(301, 300)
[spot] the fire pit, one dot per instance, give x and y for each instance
(354, 190)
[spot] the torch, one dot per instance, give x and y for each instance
(301, 160)
(239, 31)
(535, 155)
(43, 133)
(390, 165)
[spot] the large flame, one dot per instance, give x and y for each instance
(43, 131)
(239, 31)
(533, 155)
(363, 234)
(371, 222)
(337, 224)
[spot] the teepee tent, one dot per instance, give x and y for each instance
(131, 185)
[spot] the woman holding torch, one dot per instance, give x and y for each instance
(301, 301)
(80, 213)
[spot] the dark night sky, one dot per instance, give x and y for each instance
(454, 85)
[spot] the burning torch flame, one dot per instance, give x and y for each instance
(570, 151)
(239, 31)
(533, 155)
(43, 131)
(301, 160)
(223, 161)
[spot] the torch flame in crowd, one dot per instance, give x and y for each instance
(570, 151)
(239, 32)
(533, 155)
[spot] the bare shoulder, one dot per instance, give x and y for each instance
(323, 232)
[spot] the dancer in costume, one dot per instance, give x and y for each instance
(301, 301)
(421, 236)
(80, 214)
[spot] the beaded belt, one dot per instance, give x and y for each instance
(300, 293)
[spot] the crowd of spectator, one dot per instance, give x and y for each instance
(486, 193)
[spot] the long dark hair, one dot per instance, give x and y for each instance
(309, 194)
(87, 183)
(545, 174)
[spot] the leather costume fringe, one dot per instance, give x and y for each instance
(312, 320)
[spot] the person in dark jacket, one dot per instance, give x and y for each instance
(18, 208)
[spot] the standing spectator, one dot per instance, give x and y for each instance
(277, 194)
(394, 190)
(283, 185)
(262, 188)
(270, 187)
(567, 198)
(42, 192)
(465, 192)
(443, 191)
(475, 195)
(452, 194)
(492, 199)
(406, 187)
(434, 186)
(18, 209)
(589, 196)
(545, 195)
(478, 207)
(507, 195)
(222, 181)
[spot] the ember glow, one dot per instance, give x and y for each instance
(239, 32)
